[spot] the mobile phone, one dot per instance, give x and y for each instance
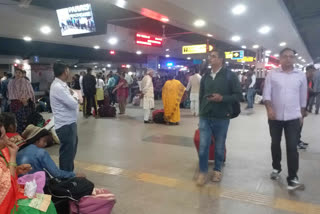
(208, 96)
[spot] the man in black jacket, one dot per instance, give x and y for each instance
(89, 90)
(219, 89)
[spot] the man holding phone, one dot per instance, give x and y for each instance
(219, 89)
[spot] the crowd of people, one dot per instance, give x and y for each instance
(215, 96)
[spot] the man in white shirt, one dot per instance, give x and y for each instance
(194, 84)
(65, 112)
(251, 89)
(148, 95)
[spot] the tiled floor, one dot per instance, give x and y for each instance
(151, 168)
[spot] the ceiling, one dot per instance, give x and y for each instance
(124, 19)
(306, 16)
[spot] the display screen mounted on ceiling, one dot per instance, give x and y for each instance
(148, 40)
(76, 20)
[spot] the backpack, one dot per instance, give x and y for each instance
(107, 111)
(158, 116)
(236, 107)
(72, 188)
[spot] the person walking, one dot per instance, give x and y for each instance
(65, 112)
(219, 90)
(148, 95)
(89, 90)
(285, 98)
(251, 80)
(194, 84)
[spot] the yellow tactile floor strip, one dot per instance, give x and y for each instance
(212, 190)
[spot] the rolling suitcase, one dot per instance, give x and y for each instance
(196, 140)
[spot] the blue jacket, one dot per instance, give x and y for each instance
(39, 158)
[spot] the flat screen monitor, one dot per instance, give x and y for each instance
(76, 20)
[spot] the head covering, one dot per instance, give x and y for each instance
(150, 71)
(33, 133)
(20, 88)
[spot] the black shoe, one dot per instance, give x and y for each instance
(302, 146)
(304, 143)
(317, 112)
(148, 122)
(275, 174)
(295, 184)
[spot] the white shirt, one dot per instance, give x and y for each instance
(64, 105)
(100, 83)
(213, 75)
(194, 83)
(253, 80)
(81, 85)
(147, 86)
(128, 78)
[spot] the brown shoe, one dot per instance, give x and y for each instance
(217, 176)
(202, 179)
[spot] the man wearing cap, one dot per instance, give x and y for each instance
(148, 95)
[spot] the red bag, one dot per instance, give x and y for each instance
(100, 202)
(211, 151)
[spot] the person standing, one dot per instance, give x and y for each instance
(65, 112)
(100, 92)
(172, 93)
(316, 89)
(111, 84)
(219, 90)
(148, 95)
(89, 90)
(194, 84)
(251, 79)
(4, 92)
(129, 80)
(122, 93)
(285, 98)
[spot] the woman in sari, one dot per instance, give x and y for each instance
(12, 199)
(172, 93)
(122, 94)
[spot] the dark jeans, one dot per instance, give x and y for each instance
(112, 96)
(250, 97)
(292, 130)
(68, 136)
(90, 102)
(218, 129)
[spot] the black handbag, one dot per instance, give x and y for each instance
(72, 188)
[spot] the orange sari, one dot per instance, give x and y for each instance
(172, 93)
(10, 192)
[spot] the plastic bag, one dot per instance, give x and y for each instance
(30, 188)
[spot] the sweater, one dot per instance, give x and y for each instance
(229, 88)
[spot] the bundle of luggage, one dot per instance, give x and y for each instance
(106, 110)
(77, 195)
(158, 116)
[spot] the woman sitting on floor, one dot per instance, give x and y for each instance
(12, 199)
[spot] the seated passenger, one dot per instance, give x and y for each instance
(12, 199)
(33, 153)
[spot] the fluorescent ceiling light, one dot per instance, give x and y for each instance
(276, 55)
(209, 35)
(167, 55)
(164, 19)
(300, 57)
(268, 51)
(128, 66)
(27, 38)
(75, 66)
(189, 58)
(113, 41)
(17, 61)
(121, 3)
(96, 47)
(236, 38)
(45, 30)
(139, 52)
(199, 23)
(96, 66)
(282, 44)
(264, 29)
(243, 47)
(167, 49)
(255, 46)
(239, 9)
(109, 65)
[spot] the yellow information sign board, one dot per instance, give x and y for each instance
(228, 55)
(196, 49)
(247, 59)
